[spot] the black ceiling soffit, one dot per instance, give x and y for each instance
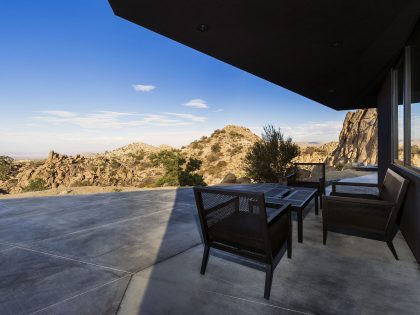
(335, 52)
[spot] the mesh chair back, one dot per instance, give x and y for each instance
(234, 218)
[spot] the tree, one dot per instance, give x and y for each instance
(6, 163)
(269, 159)
(176, 174)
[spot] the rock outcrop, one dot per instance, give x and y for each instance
(358, 142)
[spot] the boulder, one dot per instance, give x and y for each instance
(230, 178)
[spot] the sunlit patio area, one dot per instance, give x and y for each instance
(140, 252)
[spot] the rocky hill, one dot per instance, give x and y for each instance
(127, 166)
(222, 152)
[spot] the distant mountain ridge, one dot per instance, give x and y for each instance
(221, 153)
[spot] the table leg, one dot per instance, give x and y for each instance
(300, 225)
(316, 204)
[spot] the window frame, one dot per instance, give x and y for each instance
(406, 162)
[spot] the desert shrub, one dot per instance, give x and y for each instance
(195, 144)
(218, 132)
(212, 157)
(235, 134)
(269, 160)
(115, 164)
(199, 153)
(36, 184)
(138, 156)
(5, 167)
(189, 176)
(178, 171)
(117, 190)
(218, 168)
(236, 149)
(215, 148)
(203, 138)
(339, 167)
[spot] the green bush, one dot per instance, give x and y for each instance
(115, 164)
(138, 156)
(235, 134)
(236, 149)
(217, 132)
(178, 172)
(212, 157)
(269, 160)
(36, 184)
(215, 148)
(5, 167)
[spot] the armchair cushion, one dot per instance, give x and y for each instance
(366, 214)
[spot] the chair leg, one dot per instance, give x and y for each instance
(268, 280)
(205, 259)
(324, 234)
(392, 248)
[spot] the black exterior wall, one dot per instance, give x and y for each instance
(410, 216)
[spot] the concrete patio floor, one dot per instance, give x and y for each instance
(140, 253)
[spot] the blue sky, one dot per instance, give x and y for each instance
(76, 78)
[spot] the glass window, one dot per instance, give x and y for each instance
(415, 103)
(399, 123)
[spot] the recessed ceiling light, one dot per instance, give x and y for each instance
(202, 27)
(337, 44)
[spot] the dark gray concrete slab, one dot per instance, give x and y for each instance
(131, 245)
(4, 247)
(71, 216)
(161, 297)
(363, 279)
(155, 233)
(30, 281)
(104, 299)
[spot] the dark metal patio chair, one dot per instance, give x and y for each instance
(294, 179)
(237, 222)
(375, 216)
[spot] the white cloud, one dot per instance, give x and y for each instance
(218, 110)
(314, 131)
(59, 113)
(196, 103)
(114, 120)
(189, 117)
(143, 88)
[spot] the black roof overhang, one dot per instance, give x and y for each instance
(335, 52)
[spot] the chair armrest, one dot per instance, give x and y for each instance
(356, 202)
(335, 184)
(283, 208)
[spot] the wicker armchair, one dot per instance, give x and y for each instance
(237, 222)
(319, 183)
(375, 216)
